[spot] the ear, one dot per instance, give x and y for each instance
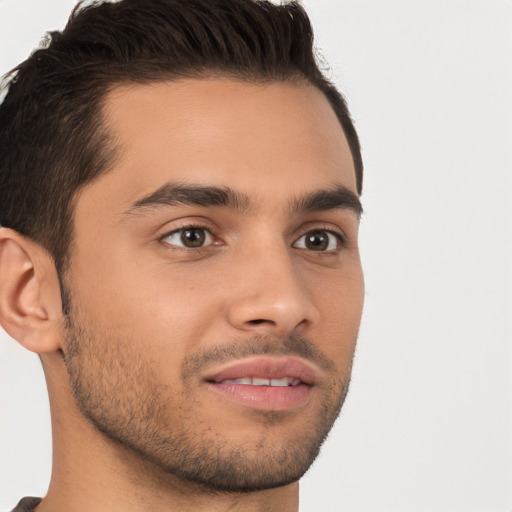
(30, 303)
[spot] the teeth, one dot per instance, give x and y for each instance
(260, 382)
(245, 380)
(256, 381)
(280, 382)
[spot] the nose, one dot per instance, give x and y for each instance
(270, 296)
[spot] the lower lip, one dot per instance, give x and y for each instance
(264, 398)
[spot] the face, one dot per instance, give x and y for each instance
(215, 280)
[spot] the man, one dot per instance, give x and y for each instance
(180, 207)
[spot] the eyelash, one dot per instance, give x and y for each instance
(340, 240)
(194, 226)
(340, 237)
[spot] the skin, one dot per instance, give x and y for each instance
(123, 371)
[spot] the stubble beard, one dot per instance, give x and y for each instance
(117, 392)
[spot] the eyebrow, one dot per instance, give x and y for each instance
(172, 194)
(337, 198)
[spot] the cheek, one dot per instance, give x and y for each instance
(340, 302)
(160, 311)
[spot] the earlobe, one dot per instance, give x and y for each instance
(30, 309)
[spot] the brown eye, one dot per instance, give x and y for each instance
(190, 238)
(318, 240)
(193, 237)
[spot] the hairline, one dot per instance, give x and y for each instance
(107, 143)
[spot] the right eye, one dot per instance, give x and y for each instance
(191, 237)
(319, 240)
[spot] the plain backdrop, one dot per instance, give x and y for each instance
(427, 426)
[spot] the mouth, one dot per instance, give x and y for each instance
(264, 383)
(258, 381)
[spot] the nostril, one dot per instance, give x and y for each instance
(259, 321)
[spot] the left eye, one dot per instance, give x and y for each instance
(191, 237)
(318, 240)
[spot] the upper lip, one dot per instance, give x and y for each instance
(265, 367)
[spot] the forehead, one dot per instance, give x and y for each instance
(248, 136)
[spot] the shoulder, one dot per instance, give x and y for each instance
(27, 505)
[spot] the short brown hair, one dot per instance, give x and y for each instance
(52, 139)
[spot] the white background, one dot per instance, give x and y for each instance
(428, 422)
